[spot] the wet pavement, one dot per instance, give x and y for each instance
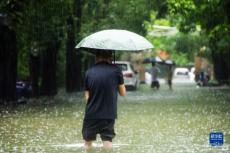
(148, 121)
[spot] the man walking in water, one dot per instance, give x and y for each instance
(170, 76)
(154, 73)
(103, 82)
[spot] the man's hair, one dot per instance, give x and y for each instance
(104, 54)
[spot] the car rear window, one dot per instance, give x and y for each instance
(123, 67)
(182, 73)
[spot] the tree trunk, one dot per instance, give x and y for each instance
(73, 57)
(49, 66)
(105, 8)
(35, 74)
(71, 64)
(78, 15)
(219, 63)
(8, 64)
(220, 68)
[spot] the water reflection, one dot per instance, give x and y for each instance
(148, 121)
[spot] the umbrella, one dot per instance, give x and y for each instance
(169, 62)
(119, 40)
(153, 60)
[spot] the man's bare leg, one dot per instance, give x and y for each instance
(107, 144)
(88, 144)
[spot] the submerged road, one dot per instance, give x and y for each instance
(149, 121)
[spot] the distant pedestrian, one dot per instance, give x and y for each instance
(170, 76)
(203, 78)
(154, 73)
(102, 83)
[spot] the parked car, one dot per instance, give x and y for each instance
(23, 89)
(131, 77)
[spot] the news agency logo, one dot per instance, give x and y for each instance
(216, 139)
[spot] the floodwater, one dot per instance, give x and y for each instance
(149, 121)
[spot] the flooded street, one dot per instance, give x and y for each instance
(148, 121)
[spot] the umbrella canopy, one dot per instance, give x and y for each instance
(153, 60)
(169, 62)
(119, 40)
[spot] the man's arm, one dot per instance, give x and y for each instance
(86, 95)
(122, 90)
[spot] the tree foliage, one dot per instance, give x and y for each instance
(119, 14)
(182, 47)
(214, 18)
(42, 30)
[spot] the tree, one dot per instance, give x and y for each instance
(42, 26)
(73, 57)
(213, 17)
(10, 18)
(41, 39)
(8, 64)
(182, 47)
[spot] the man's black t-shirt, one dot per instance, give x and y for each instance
(102, 81)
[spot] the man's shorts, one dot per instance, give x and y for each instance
(155, 84)
(170, 82)
(104, 127)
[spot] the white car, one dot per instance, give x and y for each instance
(131, 77)
(182, 73)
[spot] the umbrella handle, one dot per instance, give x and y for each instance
(113, 57)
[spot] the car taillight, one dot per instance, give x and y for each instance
(128, 75)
